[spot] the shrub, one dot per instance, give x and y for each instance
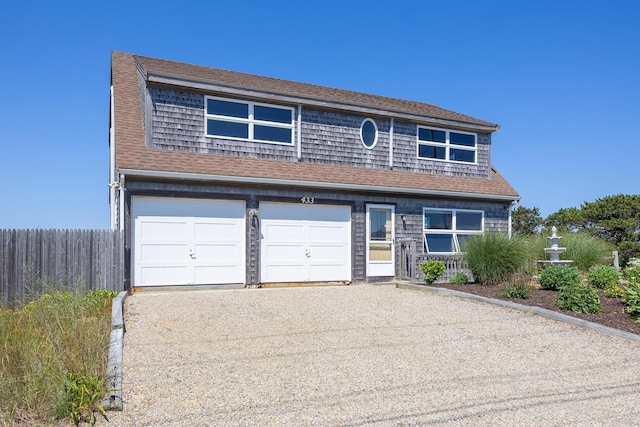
(632, 274)
(459, 278)
(432, 270)
(603, 276)
(516, 290)
(632, 299)
(556, 276)
(614, 291)
(579, 298)
(494, 257)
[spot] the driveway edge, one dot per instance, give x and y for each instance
(113, 398)
(549, 314)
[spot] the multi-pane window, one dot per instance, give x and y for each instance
(445, 230)
(441, 144)
(228, 118)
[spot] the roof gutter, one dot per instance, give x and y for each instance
(205, 85)
(310, 184)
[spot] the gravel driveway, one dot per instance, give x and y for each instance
(365, 355)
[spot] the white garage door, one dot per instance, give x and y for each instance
(304, 243)
(187, 241)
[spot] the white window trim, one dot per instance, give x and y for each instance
(447, 145)
(453, 231)
(250, 121)
(375, 139)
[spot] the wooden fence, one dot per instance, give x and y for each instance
(410, 261)
(36, 261)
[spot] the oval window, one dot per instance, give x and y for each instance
(369, 133)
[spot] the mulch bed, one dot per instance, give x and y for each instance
(613, 312)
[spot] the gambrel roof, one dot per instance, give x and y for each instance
(135, 158)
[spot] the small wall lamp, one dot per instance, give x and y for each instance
(403, 218)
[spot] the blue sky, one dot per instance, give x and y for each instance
(561, 78)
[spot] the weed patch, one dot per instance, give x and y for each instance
(59, 336)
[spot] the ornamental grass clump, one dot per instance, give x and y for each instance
(586, 251)
(555, 277)
(494, 257)
(603, 276)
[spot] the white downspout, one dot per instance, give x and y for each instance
(299, 131)
(121, 204)
(391, 144)
(510, 221)
(112, 163)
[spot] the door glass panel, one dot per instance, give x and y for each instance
(380, 224)
(380, 252)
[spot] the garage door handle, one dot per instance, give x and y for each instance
(192, 255)
(307, 253)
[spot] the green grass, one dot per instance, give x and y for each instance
(48, 346)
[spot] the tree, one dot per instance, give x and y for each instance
(525, 221)
(615, 219)
(569, 218)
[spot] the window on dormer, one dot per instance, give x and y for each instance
(251, 121)
(369, 133)
(442, 144)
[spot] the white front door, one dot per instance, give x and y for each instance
(380, 240)
(304, 243)
(187, 241)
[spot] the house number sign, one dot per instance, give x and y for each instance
(307, 200)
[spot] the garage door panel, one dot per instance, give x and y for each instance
(301, 243)
(163, 252)
(278, 253)
(327, 233)
(222, 273)
(163, 274)
(286, 273)
(188, 241)
(326, 252)
(217, 230)
(176, 208)
(326, 272)
(277, 231)
(152, 229)
(216, 253)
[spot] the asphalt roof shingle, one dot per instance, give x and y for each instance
(132, 153)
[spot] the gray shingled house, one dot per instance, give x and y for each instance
(225, 178)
